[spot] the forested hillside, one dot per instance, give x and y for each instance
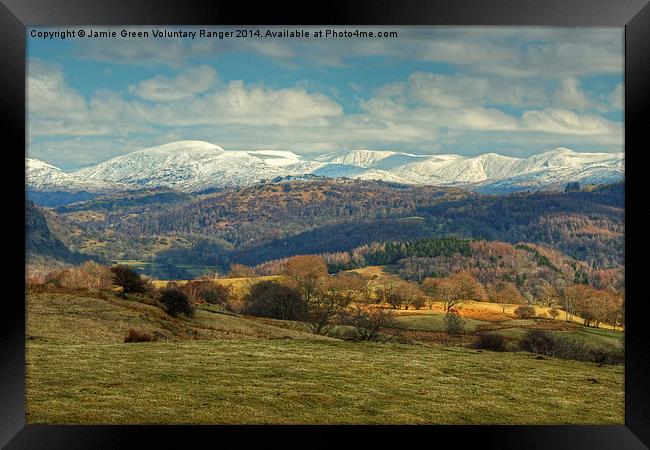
(275, 220)
(41, 245)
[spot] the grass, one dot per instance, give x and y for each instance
(434, 322)
(74, 318)
(506, 325)
(298, 381)
(216, 368)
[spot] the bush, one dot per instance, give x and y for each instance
(453, 322)
(369, 322)
(89, 276)
(418, 301)
(274, 300)
(569, 348)
(138, 336)
(525, 312)
(536, 341)
(129, 280)
(176, 302)
(553, 312)
(207, 291)
(493, 342)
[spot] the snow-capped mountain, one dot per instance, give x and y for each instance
(196, 165)
(359, 158)
(190, 166)
(41, 176)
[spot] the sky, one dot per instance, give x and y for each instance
(430, 90)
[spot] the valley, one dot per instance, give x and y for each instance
(383, 295)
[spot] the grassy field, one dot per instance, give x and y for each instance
(219, 368)
(300, 381)
(70, 318)
(434, 322)
(507, 324)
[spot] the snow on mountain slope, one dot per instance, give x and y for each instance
(454, 169)
(41, 176)
(196, 165)
(563, 157)
(190, 166)
(276, 158)
(554, 178)
(491, 167)
(360, 158)
(349, 171)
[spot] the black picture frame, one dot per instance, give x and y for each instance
(15, 15)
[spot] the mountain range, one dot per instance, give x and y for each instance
(195, 166)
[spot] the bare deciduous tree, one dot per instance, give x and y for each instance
(370, 322)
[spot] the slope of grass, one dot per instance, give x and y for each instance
(217, 368)
(81, 318)
(295, 381)
(433, 322)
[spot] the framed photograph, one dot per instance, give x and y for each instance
(248, 221)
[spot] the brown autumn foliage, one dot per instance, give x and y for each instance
(207, 291)
(596, 306)
(304, 271)
(505, 292)
(89, 276)
(454, 289)
(241, 271)
(138, 336)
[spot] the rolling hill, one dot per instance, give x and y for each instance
(274, 220)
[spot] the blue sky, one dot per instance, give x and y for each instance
(431, 90)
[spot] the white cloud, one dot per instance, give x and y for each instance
(424, 112)
(186, 84)
(56, 109)
(505, 51)
(48, 93)
(563, 121)
(570, 95)
(617, 97)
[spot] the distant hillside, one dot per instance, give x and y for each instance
(531, 267)
(588, 224)
(274, 220)
(274, 210)
(57, 198)
(41, 244)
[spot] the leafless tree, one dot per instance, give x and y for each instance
(370, 322)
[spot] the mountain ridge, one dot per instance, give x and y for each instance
(193, 166)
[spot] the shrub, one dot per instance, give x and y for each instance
(418, 301)
(525, 312)
(240, 271)
(274, 300)
(55, 277)
(569, 348)
(369, 322)
(453, 322)
(89, 276)
(207, 291)
(494, 342)
(176, 302)
(536, 341)
(138, 336)
(129, 280)
(553, 312)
